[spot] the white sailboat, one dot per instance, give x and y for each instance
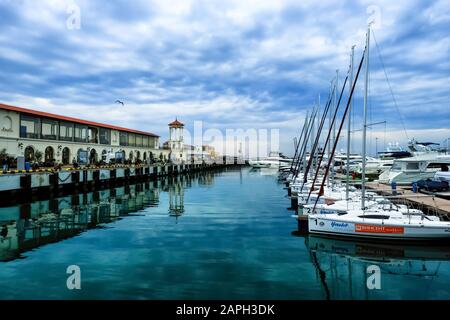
(374, 221)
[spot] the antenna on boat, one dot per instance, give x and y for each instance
(364, 151)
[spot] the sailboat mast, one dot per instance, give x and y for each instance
(336, 86)
(312, 137)
(331, 127)
(349, 129)
(335, 100)
(364, 151)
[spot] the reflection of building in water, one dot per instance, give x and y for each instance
(206, 178)
(176, 199)
(341, 267)
(29, 226)
(26, 227)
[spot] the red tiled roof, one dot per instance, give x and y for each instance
(64, 118)
(176, 123)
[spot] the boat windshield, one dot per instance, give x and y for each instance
(397, 166)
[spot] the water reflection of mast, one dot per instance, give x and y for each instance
(322, 274)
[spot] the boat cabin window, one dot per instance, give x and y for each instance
(397, 166)
(439, 166)
(374, 216)
(341, 213)
(412, 166)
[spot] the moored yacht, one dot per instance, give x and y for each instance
(274, 160)
(408, 170)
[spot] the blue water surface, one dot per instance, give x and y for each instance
(214, 235)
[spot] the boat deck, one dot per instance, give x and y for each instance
(426, 201)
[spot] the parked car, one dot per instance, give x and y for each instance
(433, 185)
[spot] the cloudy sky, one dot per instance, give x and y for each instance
(230, 63)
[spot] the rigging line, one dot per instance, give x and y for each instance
(327, 139)
(316, 141)
(307, 137)
(305, 144)
(321, 190)
(298, 142)
(389, 85)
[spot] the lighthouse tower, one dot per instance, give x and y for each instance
(176, 141)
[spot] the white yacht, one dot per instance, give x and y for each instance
(274, 160)
(374, 166)
(408, 170)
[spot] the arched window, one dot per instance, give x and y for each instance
(145, 156)
(93, 157)
(49, 154)
(82, 156)
(29, 154)
(66, 156)
(130, 156)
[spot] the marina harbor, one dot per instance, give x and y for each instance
(225, 159)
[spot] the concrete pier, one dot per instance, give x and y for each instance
(20, 186)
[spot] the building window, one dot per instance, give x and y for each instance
(49, 155)
(29, 154)
(153, 143)
(105, 136)
(139, 141)
(131, 140)
(123, 139)
(82, 157)
(49, 129)
(66, 156)
(146, 142)
(29, 127)
(93, 157)
(80, 133)
(92, 135)
(65, 131)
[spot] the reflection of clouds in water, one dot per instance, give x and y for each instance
(50, 221)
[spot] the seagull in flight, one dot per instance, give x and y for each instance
(118, 101)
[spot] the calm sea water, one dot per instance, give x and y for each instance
(222, 235)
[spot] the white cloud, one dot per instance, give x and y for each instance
(231, 63)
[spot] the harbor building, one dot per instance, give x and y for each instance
(49, 138)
